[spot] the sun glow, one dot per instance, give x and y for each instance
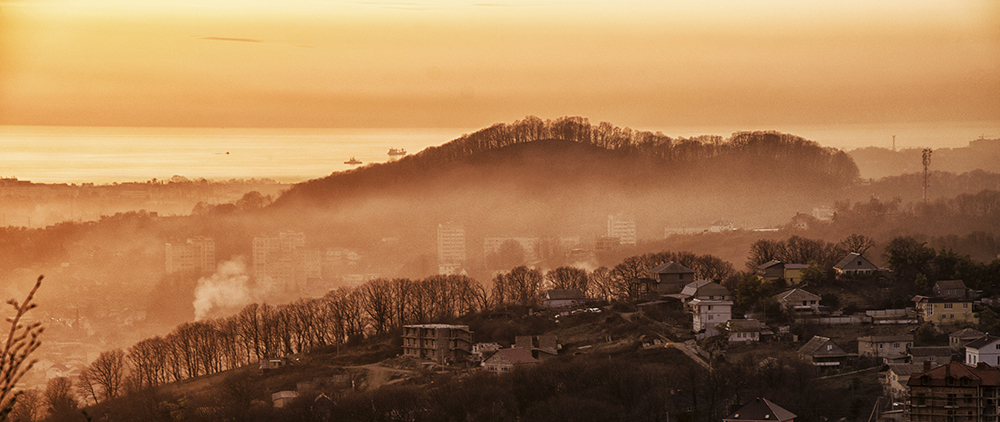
(450, 63)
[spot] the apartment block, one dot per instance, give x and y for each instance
(197, 254)
(437, 342)
(451, 243)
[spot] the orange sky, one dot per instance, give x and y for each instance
(448, 63)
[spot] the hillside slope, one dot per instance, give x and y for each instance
(540, 178)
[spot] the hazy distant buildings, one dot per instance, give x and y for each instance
(197, 254)
(492, 245)
(606, 243)
(451, 246)
(622, 227)
(282, 260)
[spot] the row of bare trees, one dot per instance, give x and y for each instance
(262, 331)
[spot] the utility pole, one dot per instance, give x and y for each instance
(927, 173)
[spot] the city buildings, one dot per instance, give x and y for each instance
(280, 260)
(197, 254)
(451, 247)
(622, 227)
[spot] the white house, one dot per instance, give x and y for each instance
(986, 349)
(799, 299)
(709, 313)
(744, 330)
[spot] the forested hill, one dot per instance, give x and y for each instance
(756, 157)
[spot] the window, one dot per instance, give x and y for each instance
(947, 305)
(965, 305)
(829, 347)
(895, 345)
(951, 399)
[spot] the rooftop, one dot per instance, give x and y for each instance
(761, 409)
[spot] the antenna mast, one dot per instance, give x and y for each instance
(927, 173)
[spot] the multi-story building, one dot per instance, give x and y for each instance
(887, 348)
(282, 260)
(451, 243)
(438, 342)
(955, 392)
(622, 227)
(197, 254)
(894, 378)
(707, 314)
(941, 310)
(672, 277)
(983, 350)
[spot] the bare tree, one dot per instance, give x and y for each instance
(765, 250)
(857, 243)
(401, 288)
(107, 371)
(377, 302)
(22, 341)
(59, 397)
(87, 388)
(525, 284)
(567, 278)
(601, 284)
(28, 407)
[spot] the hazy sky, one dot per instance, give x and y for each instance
(445, 63)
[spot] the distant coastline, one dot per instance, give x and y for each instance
(66, 154)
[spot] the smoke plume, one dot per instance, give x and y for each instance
(229, 289)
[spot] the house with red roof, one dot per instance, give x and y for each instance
(954, 392)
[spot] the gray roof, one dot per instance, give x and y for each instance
(906, 368)
(983, 342)
(744, 325)
(950, 284)
(671, 268)
(761, 409)
(849, 262)
(967, 333)
(797, 295)
(930, 351)
(886, 339)
(814, 347)
(704, 287)
(769, 264)
(515, 355)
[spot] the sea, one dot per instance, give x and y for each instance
(104, 155)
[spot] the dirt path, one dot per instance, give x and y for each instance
(379, 375)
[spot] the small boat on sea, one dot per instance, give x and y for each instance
(395, 152)
(353, 161)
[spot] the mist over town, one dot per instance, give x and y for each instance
(700, 271)
(436, 210)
